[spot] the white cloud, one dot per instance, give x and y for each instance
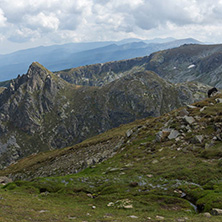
(95, 20)
(3, 19)
(45, 22)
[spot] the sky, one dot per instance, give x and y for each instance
(31, 23)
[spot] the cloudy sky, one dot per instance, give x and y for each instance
(30, 23)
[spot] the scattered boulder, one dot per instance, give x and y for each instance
(173, 134)
(162, 135)
(198, 139)
(5, 180)
(189, 119)
(216, 211)
(218, 100)
(166, 133)
(203, 108)
(207, 214)
(183, 113)
(155, 161)
(149, 175)
(129, 133)
(110, 204)
(133, 216)
(128, 206)
(160, 217)
(121, 204)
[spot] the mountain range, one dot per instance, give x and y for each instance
(40, 111)
(129, 140)
(58, 57)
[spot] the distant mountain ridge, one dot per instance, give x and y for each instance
(189, 62)
(66, 56)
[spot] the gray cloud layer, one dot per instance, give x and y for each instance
(56, 21)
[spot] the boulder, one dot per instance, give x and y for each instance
(162, 135)
(160, 217)
(207, 214)
(129, 133)
(173, 134)
(216, 211)
(218, 100)
(189, 119)
(203, 108)
(198, 139)
(183, 113)
(5, 180)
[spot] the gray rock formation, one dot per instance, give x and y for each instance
(40, 111)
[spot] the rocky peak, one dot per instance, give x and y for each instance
(28, 97)
(37, 75)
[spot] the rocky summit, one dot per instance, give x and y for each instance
(40, 111)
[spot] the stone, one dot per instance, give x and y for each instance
(162, 135)
(133, 216)
(72, 218)
(128, 206)
(5, 180)
(43, 211)
(189, 119)
(129, 133)
(114, 169)
(160, 217)
(110, 204)
(173, 134)
(203, 108)
(218, 100)
(183, 113)
(216, 211)
(207, 214)
(89, 195)
(191, 107)
(155, 161)
(198, 139)
(149, 175)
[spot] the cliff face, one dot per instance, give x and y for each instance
(28, 97)
(40, 111)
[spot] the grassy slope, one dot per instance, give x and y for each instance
(148, 175)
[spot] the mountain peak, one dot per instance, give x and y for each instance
(38, 65)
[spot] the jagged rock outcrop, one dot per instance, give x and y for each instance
(40, 111)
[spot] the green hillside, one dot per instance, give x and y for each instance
(166, 168)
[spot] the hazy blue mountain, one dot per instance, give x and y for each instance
(58, 57)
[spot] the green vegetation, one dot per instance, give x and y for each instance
(144, 181)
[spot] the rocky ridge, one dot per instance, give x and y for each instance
(40, 111)
(190, 62)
